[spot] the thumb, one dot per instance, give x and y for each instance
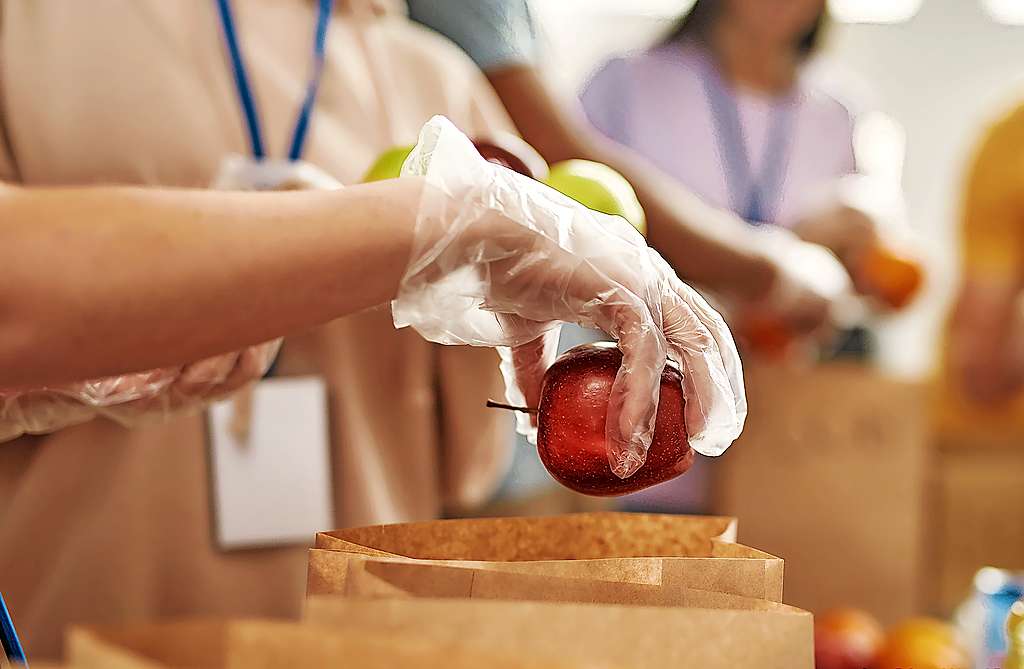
(523, 369)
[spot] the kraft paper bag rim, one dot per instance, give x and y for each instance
(250, 642)
(596, 536)
(377, 577)
(328, 571)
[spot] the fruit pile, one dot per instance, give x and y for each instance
(594, 185)
(853, 639)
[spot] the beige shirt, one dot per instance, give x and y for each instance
(98, 523)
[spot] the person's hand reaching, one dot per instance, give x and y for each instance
(501, 260)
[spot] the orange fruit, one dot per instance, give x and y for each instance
(893, 278)
(922, 643)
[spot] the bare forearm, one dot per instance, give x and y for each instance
(103, 281)
(705, 245)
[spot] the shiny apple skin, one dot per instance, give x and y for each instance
(846, 639)
(571, 425)
(501, 156)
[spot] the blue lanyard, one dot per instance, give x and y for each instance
(245, 94)
(755, 198)
(10, 645)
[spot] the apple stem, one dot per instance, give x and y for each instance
(491, 404)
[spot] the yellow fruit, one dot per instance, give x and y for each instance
(598, 187)
(389, 165)
(922, 643)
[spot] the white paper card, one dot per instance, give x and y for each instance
(274, 487)
(245, 173)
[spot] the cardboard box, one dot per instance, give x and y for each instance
(830, 474)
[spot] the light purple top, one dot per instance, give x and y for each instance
(655, 103)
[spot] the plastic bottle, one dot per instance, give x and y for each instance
(1015, 637)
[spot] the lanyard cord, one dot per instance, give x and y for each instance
(245, 94)
(756, 199)
(10, 646)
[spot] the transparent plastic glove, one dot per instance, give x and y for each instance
(131, 399)
(846, 231)
(813, 288)
(863, 219)
(501, 260)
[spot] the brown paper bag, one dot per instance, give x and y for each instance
(362, 576)
(767, 635)
(830, 474)
(974, 513)
(251, 644)
(668, 551)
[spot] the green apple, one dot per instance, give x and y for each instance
(389, 165)
(598, 187)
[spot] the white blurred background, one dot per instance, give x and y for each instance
(941, 68)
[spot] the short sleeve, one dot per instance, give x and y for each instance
(495, 33)
(605, 103)
(993, 205)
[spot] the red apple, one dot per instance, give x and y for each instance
(571, 424)
(765, 335)
(512, 152)
(846, 639)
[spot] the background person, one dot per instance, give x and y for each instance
(730, 105)
(708, 245)
(984, 357)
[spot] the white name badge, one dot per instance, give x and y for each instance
(272, 480)
(241, 173)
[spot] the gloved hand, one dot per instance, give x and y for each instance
(863, 220)
(132, 398)
(501, 260)
(809, 283)
(845, 230)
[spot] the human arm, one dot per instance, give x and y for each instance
(101, 281)
(473, 254)
(705, 245)
(708, 246)
(986, 336)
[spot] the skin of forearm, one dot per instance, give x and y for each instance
(705, 245)
(102, 281)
